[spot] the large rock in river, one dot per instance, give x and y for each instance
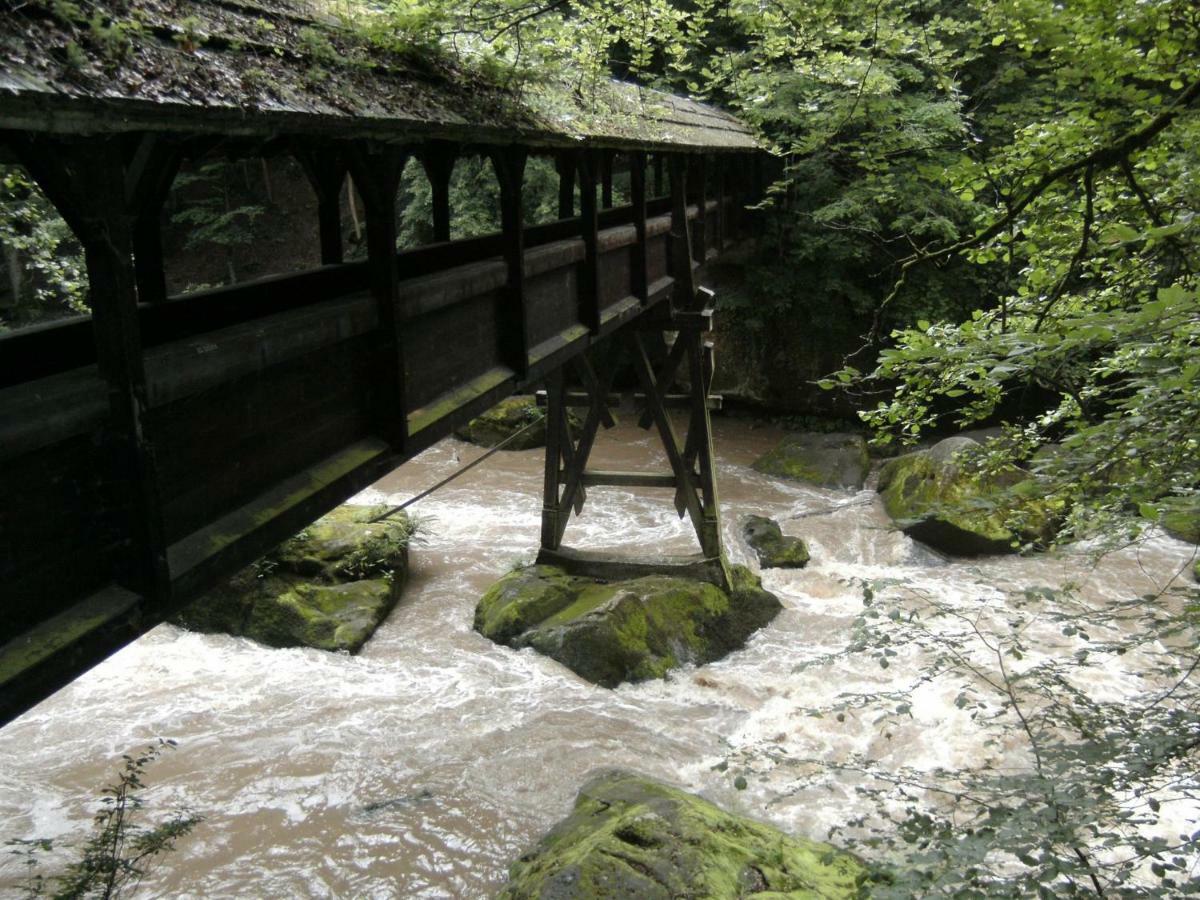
(1181, 518)
(328, 587)
(938, 502)
(826, 460)
(627, 630)
(504, 420)
(631, 837)
(774, 549)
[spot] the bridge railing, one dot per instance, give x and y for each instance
(263, 401)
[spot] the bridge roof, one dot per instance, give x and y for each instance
(264, 68)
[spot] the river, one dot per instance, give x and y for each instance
(426, 764)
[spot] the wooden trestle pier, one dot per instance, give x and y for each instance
(157, 446)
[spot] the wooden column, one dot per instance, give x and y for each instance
(151, 170)
(589, 229)
(326, 171)
(555, 430)
(700, 192)
(719, 223)
(376, 169)
(438, 160)
(639, 266)
(565, 164)
(88, 182)
(681, 241)
(606, 179)
(513, 325)
(659, 188)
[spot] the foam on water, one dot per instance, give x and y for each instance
(423, 766)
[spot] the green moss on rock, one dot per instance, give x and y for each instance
(826, 460)
(632, 837)
(329, 587)
(775, 550)
(936, 501)
(624, 631)
(504, 420)
(1181, 518)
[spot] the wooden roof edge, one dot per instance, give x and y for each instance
(65, 116)
(163, 87)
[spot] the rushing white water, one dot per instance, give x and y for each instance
(425, 765)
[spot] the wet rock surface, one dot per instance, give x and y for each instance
(632, 837)
(837, 460)
(774, 549)
(503, 421)
(936, 500)
(609, 633)
(329, 587)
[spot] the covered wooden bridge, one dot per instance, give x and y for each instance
(160, 444)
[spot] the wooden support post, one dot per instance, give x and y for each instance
(719, 223)
(700, 441)
(564, 163)
(555, 429)
(151, 169)
(513, 325)
(376, 169)
(438, 158)
(606, 179)
(589, 229)
(326, 171)
(639, 262)
(88, 182)
(659, 189)
(700, 188)
(681, 241)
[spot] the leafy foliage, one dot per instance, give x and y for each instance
(43, 262)
(118, 854)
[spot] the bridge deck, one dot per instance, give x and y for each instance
(157, 446)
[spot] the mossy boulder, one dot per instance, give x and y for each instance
(839, 460)
(632, 630)
(504, 420)
(329, 587)
(938, 502)
(775, 550)
(1181, 518)
(632, 837)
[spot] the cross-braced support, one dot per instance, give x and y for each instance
(692, 476)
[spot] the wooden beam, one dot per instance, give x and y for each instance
(376, 169)
(326, 171)
(589, 229)
(151, 170)
(438, 159)
(639, 261)
(598, 478)
(86, 180)
(681, 240)
(555, 415)
(564, 162)
(513, 325)
(700, 191)
(606, 179)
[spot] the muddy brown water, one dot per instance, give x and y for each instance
(425, 765)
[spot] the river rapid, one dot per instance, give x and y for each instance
(425, 765)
